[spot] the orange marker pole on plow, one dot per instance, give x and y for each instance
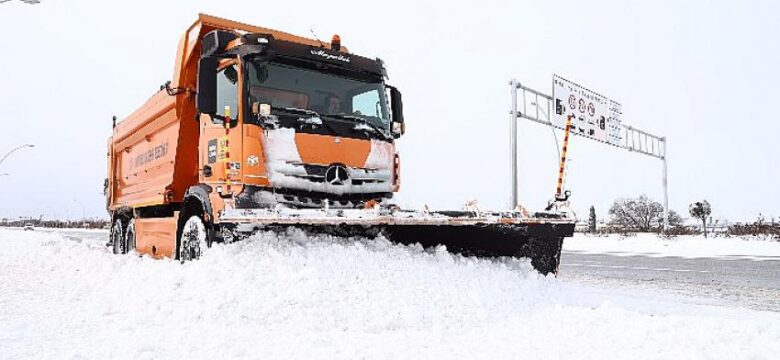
(559, 191)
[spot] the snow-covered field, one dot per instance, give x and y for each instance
(682, 246)
(64, 295)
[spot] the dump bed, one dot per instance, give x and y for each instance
(151, 152)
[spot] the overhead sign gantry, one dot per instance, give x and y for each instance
(588, 114)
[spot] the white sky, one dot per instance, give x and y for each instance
(703, 73)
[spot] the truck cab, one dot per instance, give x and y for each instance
(288, 123)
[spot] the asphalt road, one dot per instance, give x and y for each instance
(741, 282)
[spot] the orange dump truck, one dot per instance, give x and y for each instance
(264, 130)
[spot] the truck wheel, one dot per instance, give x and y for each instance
(130, 237)
(193, 239)
(118, 237)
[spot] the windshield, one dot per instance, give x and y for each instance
(284, 86)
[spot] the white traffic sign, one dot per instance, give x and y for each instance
(593, 115)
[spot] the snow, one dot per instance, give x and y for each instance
(381, 156)
(314, 120)
(279, 146)
(363, 127)
(681, 246)
(289, 296)
(285, 169)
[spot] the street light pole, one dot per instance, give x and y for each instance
(83, 210)
(666, 189)
(67, 210)
(513, 200)
(14, 150)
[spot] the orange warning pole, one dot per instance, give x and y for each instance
(563, 157)
(227, 119)
(227, 148)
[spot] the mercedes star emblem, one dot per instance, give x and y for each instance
(336, 175)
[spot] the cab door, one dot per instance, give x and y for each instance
(220, 140)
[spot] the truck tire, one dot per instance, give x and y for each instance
(192, 242)
(130, 236)
(118, 236)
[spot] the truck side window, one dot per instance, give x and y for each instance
(227, 93)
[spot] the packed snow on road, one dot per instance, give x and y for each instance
(645, 244)
(64, 295)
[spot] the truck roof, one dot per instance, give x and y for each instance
(224, 24)
(189, 46)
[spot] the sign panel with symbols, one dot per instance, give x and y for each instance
(593, 115)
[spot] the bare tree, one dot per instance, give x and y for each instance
(638, 214)
(701, 210)
(675, 219)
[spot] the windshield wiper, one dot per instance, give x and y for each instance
(296, 111)
(361, 120)
(311, 113)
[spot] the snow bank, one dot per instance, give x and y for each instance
(682, 246)
(294, 297)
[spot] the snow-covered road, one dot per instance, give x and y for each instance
(65, 296)
(691, 247)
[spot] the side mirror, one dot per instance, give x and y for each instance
(397, 107)
(206, 100)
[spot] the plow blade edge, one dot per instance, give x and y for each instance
(469, 234)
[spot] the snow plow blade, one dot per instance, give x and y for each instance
(541, 243)
(538, 237)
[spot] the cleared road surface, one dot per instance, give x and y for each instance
(734, 281)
